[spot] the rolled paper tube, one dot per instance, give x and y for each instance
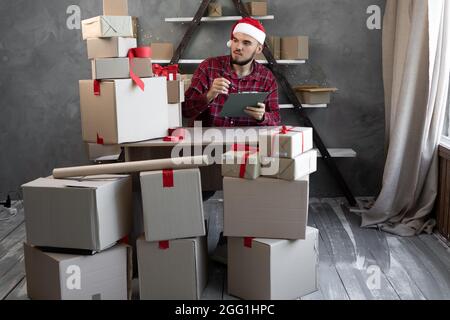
(130, 167)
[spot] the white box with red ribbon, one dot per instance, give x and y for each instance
(116, 47)
(266, 208)
(273, 269)
(118, 111)
(241, 162)
(286, 142)
(289, 169)
(172, 204)
(172, 270)
(120, 68)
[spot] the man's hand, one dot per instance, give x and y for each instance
(220, 86)
(256, 113)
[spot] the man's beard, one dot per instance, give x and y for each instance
(243, 63)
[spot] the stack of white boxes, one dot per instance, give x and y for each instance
(73, 227)
(172, 256)
(272, 253)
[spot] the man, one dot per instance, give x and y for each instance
(217, 77)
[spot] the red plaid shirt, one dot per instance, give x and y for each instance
(197, 108)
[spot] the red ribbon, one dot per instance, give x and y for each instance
(161, 71)
(141, 52)
(164, 245)
(248, 242)
(248, 151)
(100, 140)
(168, 181)
(177, 132)
(171, 139)
(125, 240)
(96, 87)
(175, 135)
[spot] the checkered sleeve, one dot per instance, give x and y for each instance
(196, 101)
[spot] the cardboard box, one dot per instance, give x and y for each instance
(274, 44)
(115, 7)
(234, 163)
(123, 112)
(109, 26)
(162, 51)
(176, 273)
(265, 208)
(273, 269)
(175, 91)
(314, 94)
(90, 213)
(172, 204)
(175, 115)
(290, 169)
(276, 143)
(215, 10)
(295, 48)
(57, 276)
(98, 152)
(119, 68)
(116, 47)
(256, 8)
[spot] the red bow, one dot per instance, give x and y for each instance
(248, 151)
(141, 52)
(285, 130)
(161, 71)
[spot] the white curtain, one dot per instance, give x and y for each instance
(416, 67)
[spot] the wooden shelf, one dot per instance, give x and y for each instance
(340, 153)
(216, 19)
(198, 61)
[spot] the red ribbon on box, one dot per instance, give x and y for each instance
(161, 71)
(100, 140)
(175, 135)
(97, 87)
(248, 151)
(286, 130)
(168, 181)
(125, 240)
(248, 242)
(164, 245)
(140, 52)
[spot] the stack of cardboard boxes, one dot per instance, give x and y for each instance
(272, 254)
(75, 227)
(123, 102)
(172, 256)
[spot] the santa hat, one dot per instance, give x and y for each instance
(251, 27)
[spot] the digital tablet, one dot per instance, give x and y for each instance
(237, 102)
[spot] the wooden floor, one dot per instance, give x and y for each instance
(355, 263)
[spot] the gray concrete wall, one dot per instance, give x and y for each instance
(42, 61)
